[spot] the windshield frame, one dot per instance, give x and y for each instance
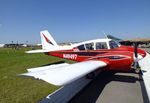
(113, 44)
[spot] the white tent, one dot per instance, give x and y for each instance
(2, 45)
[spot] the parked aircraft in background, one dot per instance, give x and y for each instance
(91, 56)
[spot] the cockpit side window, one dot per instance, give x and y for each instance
(81, 47)
(113, 44)
(101, 45)
(89, 46)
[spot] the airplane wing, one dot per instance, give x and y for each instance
(145, 67)
(65, 74)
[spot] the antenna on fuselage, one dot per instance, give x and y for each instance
(105, 34)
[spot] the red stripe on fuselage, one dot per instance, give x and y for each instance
(123, 63)
(47, 40)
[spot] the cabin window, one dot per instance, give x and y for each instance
(101, 45)
(113, 44)
(81, 47)
(89, 46)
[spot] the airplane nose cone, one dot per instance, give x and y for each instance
(141, 53)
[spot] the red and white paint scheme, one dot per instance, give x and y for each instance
(91, 56)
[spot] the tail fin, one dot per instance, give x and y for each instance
(48, 44)
(47, 40)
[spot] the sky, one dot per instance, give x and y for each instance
(73, 20)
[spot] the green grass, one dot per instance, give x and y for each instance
(16, 89)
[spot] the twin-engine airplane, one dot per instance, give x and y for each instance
(92, 56)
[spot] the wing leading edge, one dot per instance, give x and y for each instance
(66, 74)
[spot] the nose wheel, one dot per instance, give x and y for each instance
(137, 68)
(136, 64)
(91, 75)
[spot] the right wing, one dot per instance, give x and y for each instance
(145, 67)
(65, 74)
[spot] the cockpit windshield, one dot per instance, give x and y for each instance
(114, 44)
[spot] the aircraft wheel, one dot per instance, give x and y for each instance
(90, 75)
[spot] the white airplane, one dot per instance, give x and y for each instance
(91, 56)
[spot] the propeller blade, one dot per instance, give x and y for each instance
(136, 64)
(136, 50)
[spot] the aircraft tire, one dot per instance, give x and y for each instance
(90, 75)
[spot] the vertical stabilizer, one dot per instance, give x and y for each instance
(47, 41)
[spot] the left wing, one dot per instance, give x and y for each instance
(65, 74)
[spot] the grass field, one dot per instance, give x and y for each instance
(15, 89)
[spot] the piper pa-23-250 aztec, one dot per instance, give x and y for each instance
(92, 56)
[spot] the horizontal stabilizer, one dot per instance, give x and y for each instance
(42, 51)
(37, 51)
(65, 74)
(47, 50)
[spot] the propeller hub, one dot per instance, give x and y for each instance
(139, 57)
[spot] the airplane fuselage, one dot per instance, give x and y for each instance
(120, 58)
(116, 56)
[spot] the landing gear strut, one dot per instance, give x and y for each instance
(136, 64)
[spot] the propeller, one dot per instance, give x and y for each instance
(136, 64)
(135, 50)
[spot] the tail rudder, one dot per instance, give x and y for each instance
(47, 40)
